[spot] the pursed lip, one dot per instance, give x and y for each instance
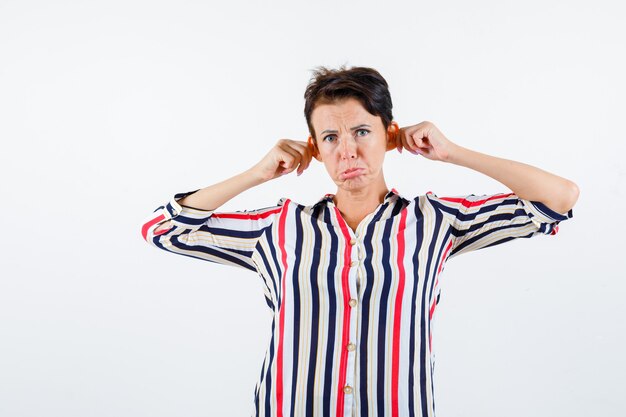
(352, 172)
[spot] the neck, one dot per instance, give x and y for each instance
(358, 203)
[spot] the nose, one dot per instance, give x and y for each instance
(348, 148)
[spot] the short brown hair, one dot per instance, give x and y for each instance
(362, 83)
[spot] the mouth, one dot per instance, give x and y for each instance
(352, 173)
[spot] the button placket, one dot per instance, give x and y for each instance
(355, 266)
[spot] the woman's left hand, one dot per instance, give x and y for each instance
(425, 139)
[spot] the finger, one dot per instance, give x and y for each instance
(403, 141)
(410, 143)
(409, 130)
(399, 140)
(298, 144)
(285, 166)
(419, 130)
(304, 164)
(303, 150)
(421, 141)
(287, 161)
(295, 155)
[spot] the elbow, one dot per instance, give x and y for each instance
(573, 193)
(569, 197)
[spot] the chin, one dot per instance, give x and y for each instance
(351, 184)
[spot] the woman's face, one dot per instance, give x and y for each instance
(351, 143)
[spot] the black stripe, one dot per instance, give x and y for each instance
(506, 239)
(315, 313)
(419, 237)
(382, 311)
(277, 265)
(424, 360)
(457, 208)
(491, 219)
(365, 310)
(548, 212)
(332, 313)
(268, 373)
(258, 388)
(431, 285)
(438, 260)
(266, 273)
(297, 215)
(223, 256)
(481, 236)
(242, 234)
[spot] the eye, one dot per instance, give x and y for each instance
(362, 130)
(328, 138)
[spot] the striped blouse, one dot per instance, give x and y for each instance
(352, 309)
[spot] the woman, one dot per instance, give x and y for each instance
(352, 280)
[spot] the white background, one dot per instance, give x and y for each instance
(108, 108)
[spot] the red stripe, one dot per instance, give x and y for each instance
(343, 363)
(395, 356)
(281, 323)
(432, 308)
(160, 232)
(246, 216)
(148, 225)
(467, 203)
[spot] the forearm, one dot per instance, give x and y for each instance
(526, 181)
(214, 196)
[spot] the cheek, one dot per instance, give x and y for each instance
(375, 154)
(329, 163)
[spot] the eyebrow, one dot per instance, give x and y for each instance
(352, 128)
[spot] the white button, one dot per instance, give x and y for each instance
(353, 242)
(351, 347)
(347, 389)
(352, 302)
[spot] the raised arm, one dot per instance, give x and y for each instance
(214, 196)
(526, 181)
(189, 225)
(283, 158)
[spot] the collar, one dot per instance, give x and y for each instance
(391, 195)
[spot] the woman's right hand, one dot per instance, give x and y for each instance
(286, 156)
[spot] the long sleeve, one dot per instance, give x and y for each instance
(480, 221)
(225, 238)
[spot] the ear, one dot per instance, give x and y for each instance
(392, 134)
(313, 148)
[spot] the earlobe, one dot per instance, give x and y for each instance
(392, 135)
(313, 148)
